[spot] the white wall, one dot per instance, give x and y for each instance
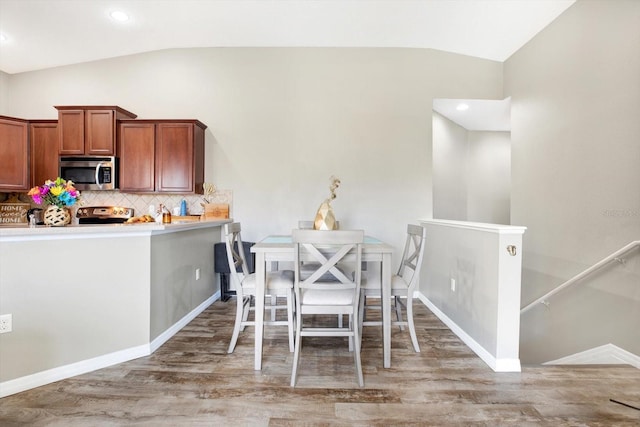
(81, 301)
(482, 306)
(471, 173)
(175, 292)
(68, 305)
(489, 177)
(283, 120)
(575, 108)
(450, 172)
(4, 93)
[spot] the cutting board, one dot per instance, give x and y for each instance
(216, 211)
(175, 218)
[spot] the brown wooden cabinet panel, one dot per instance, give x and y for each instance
(100, 133)
(89, 130)
(165, 156)
(174, 157)
(137, 159)
(14, 154)
(43, 135)
(71, 131)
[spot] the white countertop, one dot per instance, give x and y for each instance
(80, 231)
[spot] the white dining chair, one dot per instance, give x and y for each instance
(403, 284)
(307, 267)
(278, 284)
(317, 296)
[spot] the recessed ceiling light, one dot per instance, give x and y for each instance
(462, 107)
(119, 16)
(3, 38)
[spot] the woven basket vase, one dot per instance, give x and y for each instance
(56, 216)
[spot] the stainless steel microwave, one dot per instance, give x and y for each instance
(90, 173)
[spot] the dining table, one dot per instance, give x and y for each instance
(280, 248)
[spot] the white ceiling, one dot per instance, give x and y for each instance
(47, 33)
(482, 114)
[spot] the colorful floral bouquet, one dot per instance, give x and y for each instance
(59, 192)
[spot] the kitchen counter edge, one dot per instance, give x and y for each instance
(43, 232)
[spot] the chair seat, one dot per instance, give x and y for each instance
(322, 297)
(371, 283)
(282, 279)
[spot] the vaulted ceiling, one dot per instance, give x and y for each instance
(39, 34)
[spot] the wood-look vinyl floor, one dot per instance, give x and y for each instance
(192, 381)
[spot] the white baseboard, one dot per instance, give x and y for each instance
(498, 365)
(166, 335)
(49, 376)
(607, 354)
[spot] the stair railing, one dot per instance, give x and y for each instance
(613, 257)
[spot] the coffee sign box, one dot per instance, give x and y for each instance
(13, 213)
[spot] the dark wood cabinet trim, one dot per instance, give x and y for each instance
(121, 113)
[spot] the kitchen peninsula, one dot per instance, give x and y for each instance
(84, 297)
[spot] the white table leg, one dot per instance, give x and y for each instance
(259, 309)
(386, 308)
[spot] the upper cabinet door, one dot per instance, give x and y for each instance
(137, 156)
(43, 137)
(174, 158)
(100, 133)
(14, 155)
(71, 132)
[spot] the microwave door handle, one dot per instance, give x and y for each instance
(98, 183)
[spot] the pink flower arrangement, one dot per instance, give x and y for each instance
(59, 192)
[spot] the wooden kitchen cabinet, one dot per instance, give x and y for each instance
(165, 156)
(137, 156)
(89, 130)
(14, 154)
(43, 137)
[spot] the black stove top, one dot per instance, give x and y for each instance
(103, 214)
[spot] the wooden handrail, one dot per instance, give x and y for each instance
(613, 257)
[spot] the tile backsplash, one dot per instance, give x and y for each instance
(141, 202)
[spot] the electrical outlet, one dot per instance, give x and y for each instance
(197, 274)
(6, 323)
(453, 284)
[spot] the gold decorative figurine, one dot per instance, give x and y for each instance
(325, 219)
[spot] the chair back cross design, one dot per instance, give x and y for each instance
(327, 265)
